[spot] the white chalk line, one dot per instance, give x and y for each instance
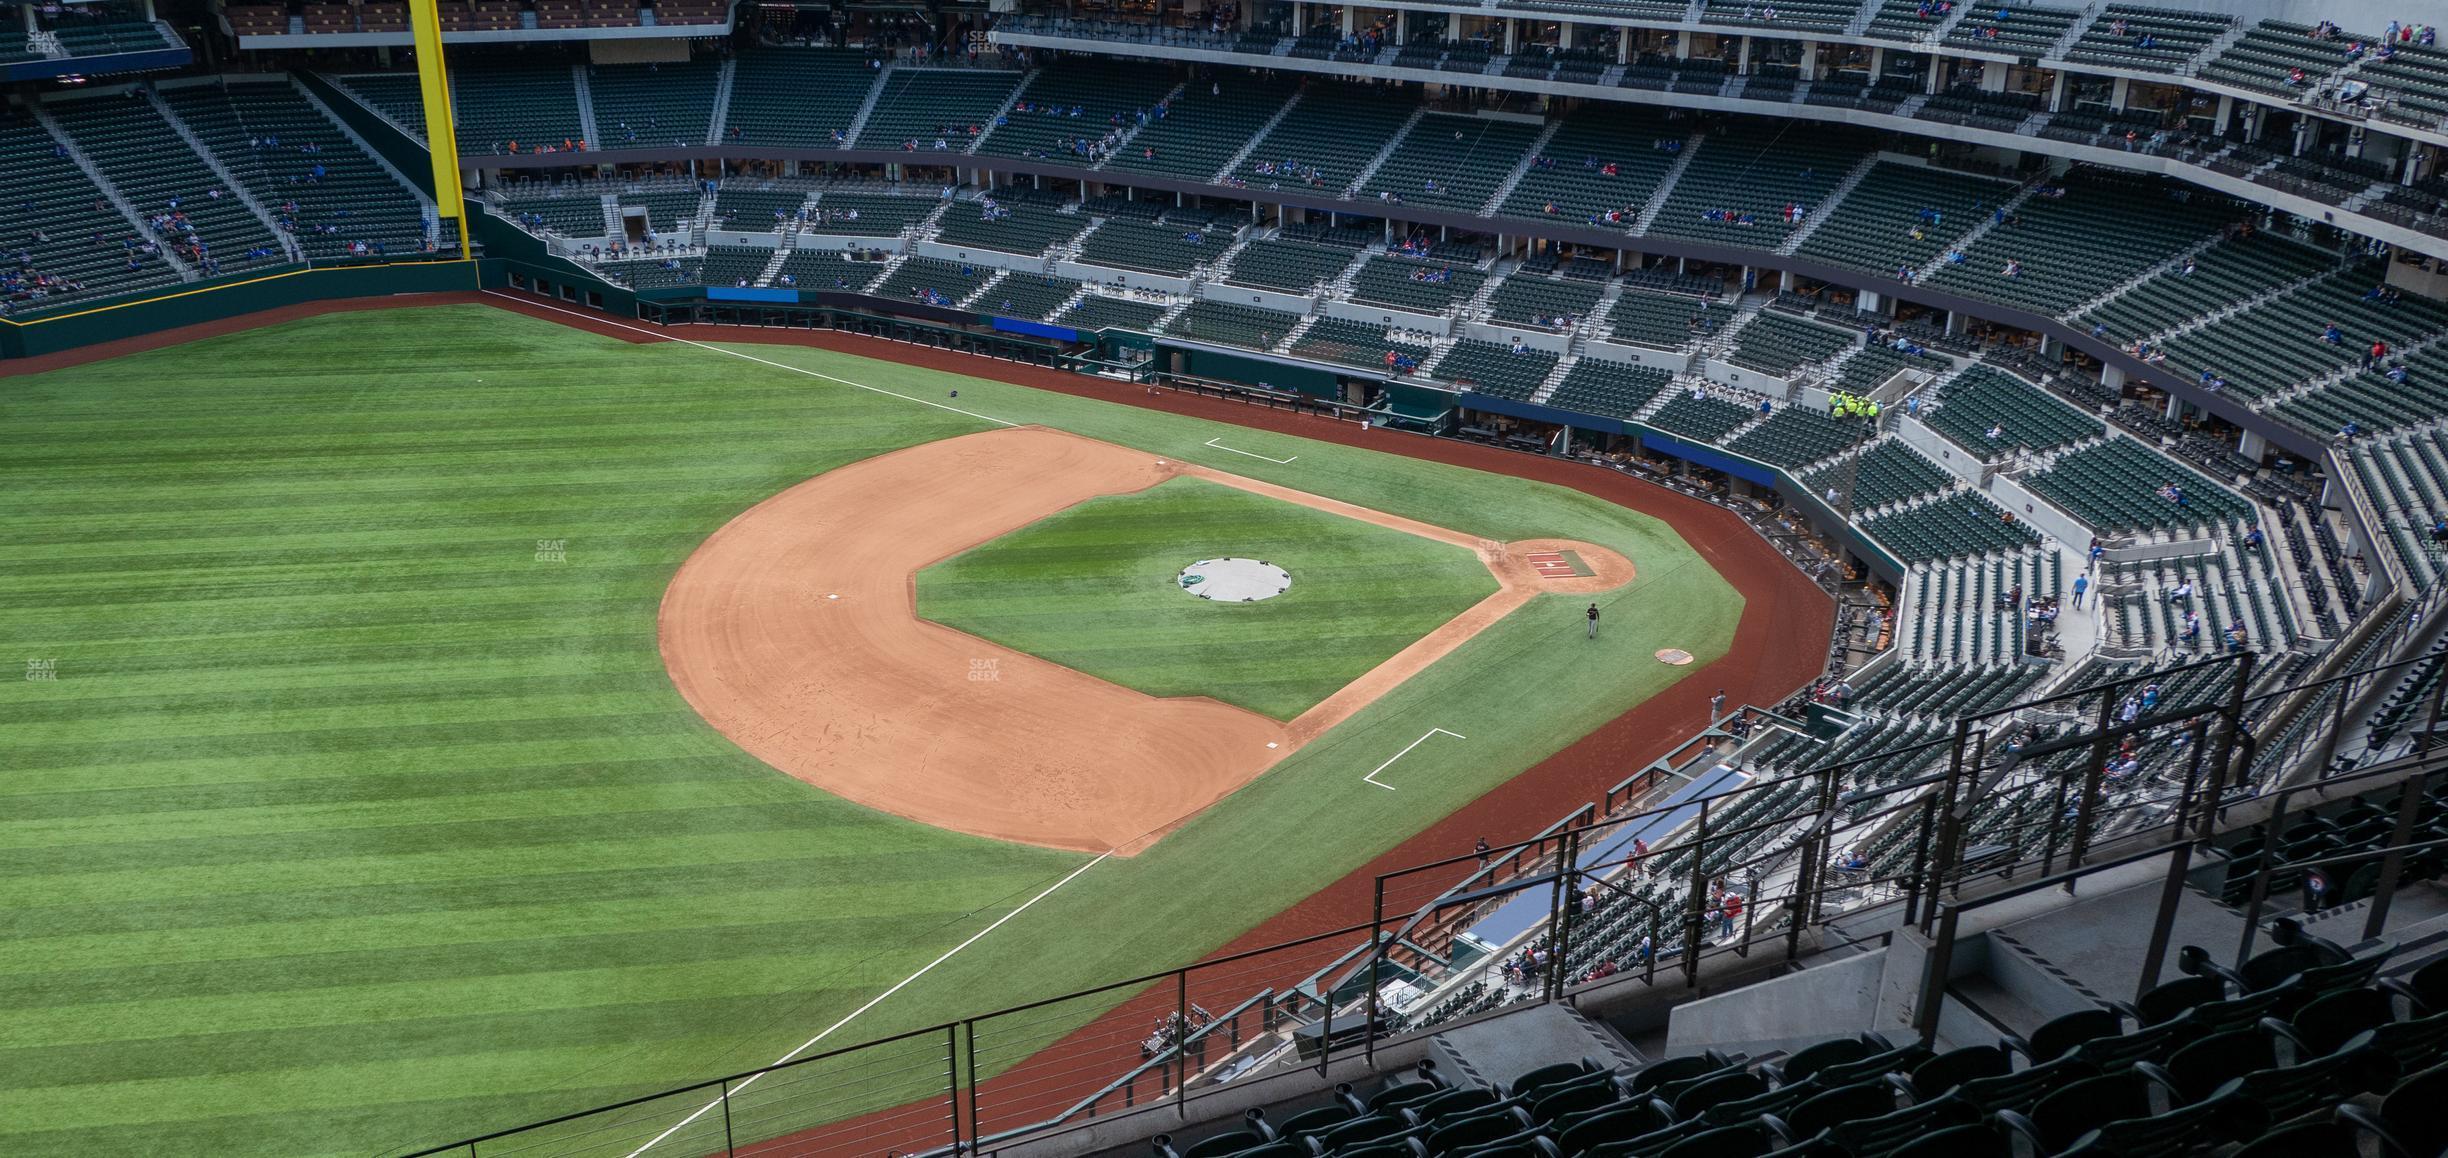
(1218, 443)
(1372, 776)
(872, 1002)
(600, 320)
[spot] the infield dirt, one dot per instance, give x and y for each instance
(794, 631)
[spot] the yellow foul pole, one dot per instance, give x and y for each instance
(441, 129)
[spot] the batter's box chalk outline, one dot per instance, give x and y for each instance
(1218, 443)
(1372, 776)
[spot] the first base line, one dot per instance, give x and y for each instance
(1372, 776)
(1218, 443)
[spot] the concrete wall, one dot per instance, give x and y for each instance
(1733, 375)
(1666, 360)
(1360, 312)
(1103, 275)
(1792, 1011)
(987, 258)
(1264, 299)
(1957, 461)
(2042, 515)
(1558, 344)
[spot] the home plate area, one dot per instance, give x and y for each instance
(1559, 565)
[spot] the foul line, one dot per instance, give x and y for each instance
(873, 1001)
(1218, 443)
(1372, 776)
(599, 320)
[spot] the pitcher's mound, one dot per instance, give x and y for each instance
(1230, 580)
(1674, 655)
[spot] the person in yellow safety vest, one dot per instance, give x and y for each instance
(1874, 409)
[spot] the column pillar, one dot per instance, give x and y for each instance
(2057, 91)
(1347, 20)
(2118, 91)
(1810, 60)
(1742, 57)
(1512, 37)
(2225, 115)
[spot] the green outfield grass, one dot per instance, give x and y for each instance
(1094, 588)
(355, 810)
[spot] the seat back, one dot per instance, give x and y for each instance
(2073, 1112)
(1550, 1075)
(1982, 1141)
(2054, 1039)
(1898, 1060)
(1944, 1072)
(2325, 1023)
(2111, 1054)
(2416, 1112)
(1874, 1137)
(1730, 1087)
(1749, 1140)
(1842, 1104)
(2178, 1131)
(2022, 1089)
(1630, 1121)
(1811, 1059)
(2169, 999)
(2201, 1068)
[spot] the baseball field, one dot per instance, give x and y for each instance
(439, 718)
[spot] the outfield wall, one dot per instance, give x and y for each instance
(189, 305)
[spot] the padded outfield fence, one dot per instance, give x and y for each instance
(1998, 800)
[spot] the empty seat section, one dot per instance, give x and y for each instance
(1425, 287)
(166, 181)
(1023, 229)
(2065, 250)
(1290, 266)
(1902, 216)
(2020, 30)
(921, 106)
(1023, 294)
(1064, 110)
(1962, 523)
(2025, 418)
(1666, 321)
(1233, 325)
(796, 97)
(1543, 303)
(1154, 248)
(1607, 389)
(1887, 473)
(74, 245)
(2269, 56)
(505, 107)
(1701, 418)
(2115, 486)
(1326, 139)
(1098, 311)
(1745, 182)
(2148, 39)
(1203, 128)
(1452, 162)
(354, 199)
(870, 214)
(826, 269)
(1494, 369)
(1600, 163)
(1355, 343)
(653, 106)
(1776, 344)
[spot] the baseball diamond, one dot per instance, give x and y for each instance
(1229, 580)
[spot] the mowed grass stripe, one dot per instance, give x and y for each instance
(61, 967)
(291, 591)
